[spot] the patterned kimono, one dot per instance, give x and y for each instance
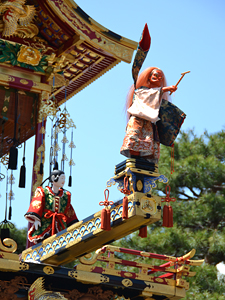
(141, 137)
(55, 213)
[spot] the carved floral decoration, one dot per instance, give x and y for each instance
(29, 55)
(23, 56)
(95, 293)
(9, 288)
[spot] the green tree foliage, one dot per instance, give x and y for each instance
(20, 237)
(198, 184)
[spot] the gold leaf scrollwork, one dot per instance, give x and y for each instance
(46, 107)
(5, 160)
(8, 245)
(65, 121)
(62, 120)
(70, 124)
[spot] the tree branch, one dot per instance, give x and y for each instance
(185, 195)
(193, 192)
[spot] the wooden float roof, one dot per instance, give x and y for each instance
(89, 49)
(77, 47)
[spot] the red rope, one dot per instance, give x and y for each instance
(106, 202)
(167, 198)
(125, 190)
(55, 216)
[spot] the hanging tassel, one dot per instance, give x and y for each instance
(104, 219)
(70, 181)
(22, 181)
(56, 166)
(23, 175)
(41, 169)
(167, 209)
(13, 156)
(71, 158)
(108, 223)
(126, 191)
(125, 208)
(143, 232)
(168, 216)
(10, 212)
(105, 213)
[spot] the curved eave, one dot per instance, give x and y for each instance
(98, 27)
(82, 24)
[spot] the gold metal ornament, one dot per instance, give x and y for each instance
(17, 19)
(38, 292)
(29, 55)
(72, 145)
(8, 245)
(127, 282)
(65, 140)
(11, 179)
(56, 148)
(42, 130)
(48, 270)
(5, 160)
(64, 157)
(139, 185)
(71, 162)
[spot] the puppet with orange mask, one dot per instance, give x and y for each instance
(152, 119)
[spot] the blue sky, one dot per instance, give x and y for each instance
(186, 35)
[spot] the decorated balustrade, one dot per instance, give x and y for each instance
(170, 282)
(63, 247)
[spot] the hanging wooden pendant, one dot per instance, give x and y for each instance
(63, 126)
(22, 181)
(11, 194)
(71, 162)
(56, 145)
(5, 225)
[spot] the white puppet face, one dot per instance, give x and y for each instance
(61, 181)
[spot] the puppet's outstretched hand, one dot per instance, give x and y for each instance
(37, 224)
(170, 89)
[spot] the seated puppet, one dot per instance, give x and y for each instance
(50, 210)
